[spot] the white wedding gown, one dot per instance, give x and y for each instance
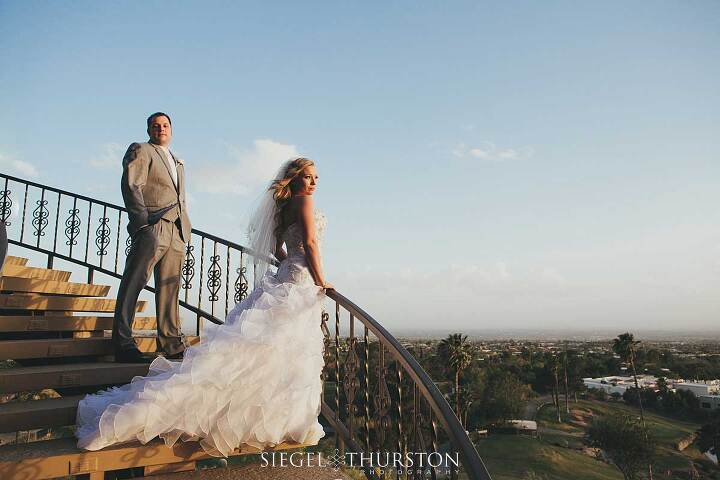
(254, 380)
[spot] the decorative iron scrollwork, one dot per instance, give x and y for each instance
(72, 226)
(214, 280)
(128, 245)
(102, 236)
(327, 340)
(5, 206)
(241, 285)
(351, 383)
(40, 218)
(188, 268)
(382, 403)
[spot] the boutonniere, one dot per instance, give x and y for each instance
(180, 161)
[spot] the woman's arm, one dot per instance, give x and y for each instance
(279, 252)
(306, 217)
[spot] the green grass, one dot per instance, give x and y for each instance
(557, 453)
(513, 456)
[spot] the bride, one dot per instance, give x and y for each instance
(254, 380)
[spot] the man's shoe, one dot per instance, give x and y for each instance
(132, 356)
(176, 356)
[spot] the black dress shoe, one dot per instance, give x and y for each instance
(132, 356)
(176, 356)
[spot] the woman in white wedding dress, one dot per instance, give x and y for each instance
(254, 380)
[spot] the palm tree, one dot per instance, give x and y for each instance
(565, 368)
(555, 364)
(455, 353)
(624, 345)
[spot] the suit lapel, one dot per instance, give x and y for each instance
(177, 172)
(161, 154)
(181, 176)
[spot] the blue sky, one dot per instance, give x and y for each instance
(523, 164)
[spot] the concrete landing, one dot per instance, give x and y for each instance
(257, 472)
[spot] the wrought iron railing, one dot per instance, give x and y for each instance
(3, 244)
(216, 273)
(376, 397)
(380, 399)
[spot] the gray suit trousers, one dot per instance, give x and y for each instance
(159, 249)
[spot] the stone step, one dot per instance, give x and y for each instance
(32, 414)
(36, 285)
(65, 323)
(31, 301)
(32, 272)
(62, 458)
(70, 347)
(11, 260)
(23, 379)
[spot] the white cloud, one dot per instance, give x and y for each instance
(489, 151)
(110, 157)
(249, 169)
(19, 167)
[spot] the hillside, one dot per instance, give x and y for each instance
(557, 453)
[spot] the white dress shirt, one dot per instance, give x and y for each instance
(171, 163)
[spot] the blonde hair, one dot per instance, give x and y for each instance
(281, 189)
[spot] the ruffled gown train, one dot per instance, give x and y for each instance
(254, 380)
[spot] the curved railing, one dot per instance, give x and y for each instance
(376, 396)
(383, 400)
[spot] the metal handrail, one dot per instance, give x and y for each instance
(121, 208)
(103, 211)
(457, 434)
(347, 434)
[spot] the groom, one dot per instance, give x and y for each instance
(153, 188)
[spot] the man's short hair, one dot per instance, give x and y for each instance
(158, 114)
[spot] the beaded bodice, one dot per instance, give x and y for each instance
(294, 267)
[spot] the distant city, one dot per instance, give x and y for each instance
(562, 334)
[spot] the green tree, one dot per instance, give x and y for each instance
(456, 354)
(555, 364)
(565, 376)
(505, 396)
(625, 441)
(708, 437)
(625, 345)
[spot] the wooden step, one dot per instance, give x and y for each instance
(48, 412)
(30, 301)
(70, 347)
(172, 468)
(62, 458)
(23, 379)
(10, 260)
(149, 345)
(50, 348)
(32, 272)
(65, 323)
(35, 285)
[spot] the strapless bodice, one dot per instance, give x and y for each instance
(294, 267)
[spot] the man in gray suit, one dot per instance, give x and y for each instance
(153, 188)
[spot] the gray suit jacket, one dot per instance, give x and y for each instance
(148, 189)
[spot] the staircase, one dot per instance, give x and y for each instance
(55, 344)
(53, 333)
